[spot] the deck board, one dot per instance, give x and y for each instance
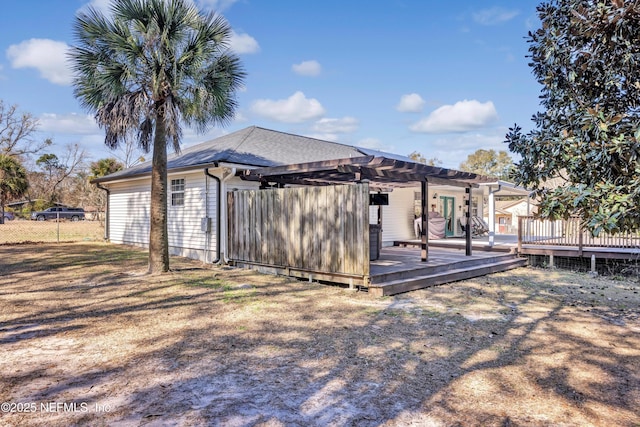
(400, 269)
(393, 259)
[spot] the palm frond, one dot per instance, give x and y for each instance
(154, 60)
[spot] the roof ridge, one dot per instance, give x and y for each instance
(311, 137)
(243, 140)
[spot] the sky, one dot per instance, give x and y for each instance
(441, 78)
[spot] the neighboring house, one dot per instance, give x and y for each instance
(507, 213)
(201, 175)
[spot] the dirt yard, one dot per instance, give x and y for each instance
(87, 339)
(26, 231)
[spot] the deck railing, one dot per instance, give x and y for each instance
(533, 231)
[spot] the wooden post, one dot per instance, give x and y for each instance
(580, 242)
(467, 231)
(424, 253)
(380, 230)
(492, 216)
(520, 221)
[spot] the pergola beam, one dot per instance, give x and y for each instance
(379, 170)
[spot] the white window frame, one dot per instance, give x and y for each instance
(177, 187)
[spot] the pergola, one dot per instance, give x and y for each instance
(382, 173)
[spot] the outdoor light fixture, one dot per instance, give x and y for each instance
(435, 195)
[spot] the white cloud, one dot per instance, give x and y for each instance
(216, 5)
(494, 15)
(103, 6)
(307, 68)
(463, 116)
(47, 56)
(295, 109)
(343, 125)
(243, 43)
(375, 144)
(239, 117)
(411, 103)
(454, 149)
(69, 124)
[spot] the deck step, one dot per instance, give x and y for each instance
(438, 278)
(428, 269)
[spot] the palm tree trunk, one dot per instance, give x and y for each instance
(158, 235)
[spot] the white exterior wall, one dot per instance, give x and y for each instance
(129, 213)
(397, 217)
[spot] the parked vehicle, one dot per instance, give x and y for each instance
(8, 216)
(74, 214)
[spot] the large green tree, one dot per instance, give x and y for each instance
(496, 164)
(586, 56)
(150, 67)
(13, 181)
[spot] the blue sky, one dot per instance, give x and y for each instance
(441, 78)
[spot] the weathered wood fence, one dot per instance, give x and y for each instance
(570, 232)
(318, 231)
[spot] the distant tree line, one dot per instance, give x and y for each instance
(30, 172)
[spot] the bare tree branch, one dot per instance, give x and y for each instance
(17, 132)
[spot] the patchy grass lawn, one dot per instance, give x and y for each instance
(88, 339)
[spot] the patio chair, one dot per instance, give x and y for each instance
(479, 227)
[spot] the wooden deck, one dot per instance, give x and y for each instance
(399, 269)
(550, 249)
(568, 238)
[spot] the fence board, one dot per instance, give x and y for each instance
(314, 229)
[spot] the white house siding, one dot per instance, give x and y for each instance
(397, 217)
(129, 212)
(184, 223)
(129, 215)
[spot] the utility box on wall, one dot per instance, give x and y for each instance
(205, 224)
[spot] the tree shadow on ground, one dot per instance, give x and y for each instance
(283, 353)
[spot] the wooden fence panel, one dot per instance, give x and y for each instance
(312, 229)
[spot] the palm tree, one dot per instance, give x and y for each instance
(13, 181)
(147, 68)
(104, 167)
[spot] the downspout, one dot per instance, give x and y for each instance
(106, 217)
(492, 214)
(219, 202)
(226, 250)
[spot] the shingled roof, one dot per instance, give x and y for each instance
(254, 147)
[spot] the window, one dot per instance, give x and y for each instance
(474, 206)
(177, 192)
